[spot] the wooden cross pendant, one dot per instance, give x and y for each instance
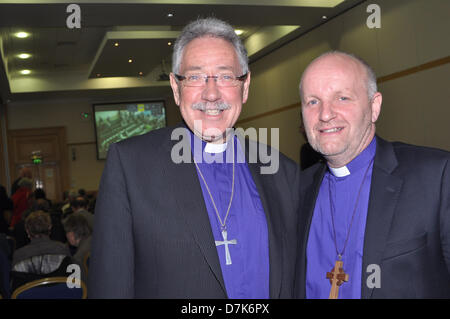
(337, 277)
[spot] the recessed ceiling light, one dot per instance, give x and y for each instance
(25, 72)
(116, 44)
(130, 60)
(22, 35)
(169, 43)
(24, 56)
(238, 31)
(170, 15)
(324, 17)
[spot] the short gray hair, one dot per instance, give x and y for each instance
(371, 83)
(77, 224)
(208, 27)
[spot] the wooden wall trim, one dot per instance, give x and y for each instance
(279, 110)
(386, 78)
(416, 69)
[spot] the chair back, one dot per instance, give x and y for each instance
(50, 288)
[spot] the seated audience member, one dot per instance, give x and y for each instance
(39, 193)
(82, 192)
(78, 234)
(18, 232)
(67, 207)
(42, 257)
(41, 202)
(21, 200)
(79, 206)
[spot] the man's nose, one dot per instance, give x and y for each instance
(327, 111)
(211, 91)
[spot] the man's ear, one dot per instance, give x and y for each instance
(376, 106)
(175, 89)
(245, 88)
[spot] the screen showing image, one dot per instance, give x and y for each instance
(116, 122)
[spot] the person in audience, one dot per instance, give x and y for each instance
(19, 232)
(79, 206)
(21, 200)
(42, 256)
(78, 234)
(82, 192)
(67, 207)
(24, 172)
(39, 193)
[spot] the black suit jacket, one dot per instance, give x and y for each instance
(152, 236)
(408, 222)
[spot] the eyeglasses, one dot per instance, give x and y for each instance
(222, 80)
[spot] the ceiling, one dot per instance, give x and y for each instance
(123, 47)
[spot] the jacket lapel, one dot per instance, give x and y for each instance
(308, 198)
(192, 208)
(384, 193)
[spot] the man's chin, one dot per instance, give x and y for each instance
(329, 150)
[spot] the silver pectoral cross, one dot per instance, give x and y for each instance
(226, 242)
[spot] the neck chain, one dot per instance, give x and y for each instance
(340, 254)
(223, 225)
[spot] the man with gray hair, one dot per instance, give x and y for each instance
(78, 233)
(201, 228)
(376, 215)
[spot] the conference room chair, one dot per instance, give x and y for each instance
(50, 288)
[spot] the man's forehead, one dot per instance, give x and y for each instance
(334, 67)
(336, 62)
(206, 53)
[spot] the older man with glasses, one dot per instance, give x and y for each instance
(200, 228)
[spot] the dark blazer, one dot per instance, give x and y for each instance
(153, 238)
(408, 222)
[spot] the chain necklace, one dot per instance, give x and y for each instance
(353, 215)
(337, 275)
(223, 224)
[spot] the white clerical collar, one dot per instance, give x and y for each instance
(215, 148)
(340, 171)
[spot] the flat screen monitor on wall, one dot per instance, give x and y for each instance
(115, 122)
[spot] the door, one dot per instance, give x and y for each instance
(45, 152)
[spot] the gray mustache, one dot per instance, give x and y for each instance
(203, 106)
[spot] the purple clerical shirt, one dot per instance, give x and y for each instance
(247, 277)
(321, 250)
